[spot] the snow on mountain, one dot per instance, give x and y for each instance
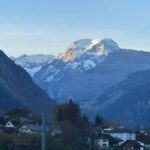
(86, 53)
(85, 65)
(89, 64)
(33, 63)
(33, 70)
(97, 63)
(89, 47)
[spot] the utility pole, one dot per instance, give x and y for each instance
(90, 135)
(43, 131)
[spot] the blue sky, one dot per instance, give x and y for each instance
(49, 26)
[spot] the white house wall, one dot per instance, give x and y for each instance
(124, 136)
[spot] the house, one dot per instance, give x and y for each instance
(132, 145)
(102, 143)
(105, 141)
(123, 134)
(11, 124)
(31, 128)
(56, 131)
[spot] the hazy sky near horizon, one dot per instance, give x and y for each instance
(49, 26)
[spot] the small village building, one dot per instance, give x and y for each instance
(31, 128)
(105, 141)
(56, 131)
(123, 134)
(102, 143)
(11, 124)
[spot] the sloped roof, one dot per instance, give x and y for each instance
(36, 127)
(119, 131)
(15, 123)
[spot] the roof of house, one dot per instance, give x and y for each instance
(14, 122)
(36, 127)
(119, 131)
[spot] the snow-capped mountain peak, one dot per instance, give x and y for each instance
(80, 44)
(33, 60)
(109, 45)
(89, 46)
(93, 42)
(33, 63)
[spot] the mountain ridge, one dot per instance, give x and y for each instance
(89, 74)
(33, 63)
(132, 97)
(96, 46)
(18, 89)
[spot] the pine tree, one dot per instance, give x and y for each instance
(98, 120)
(85, 118)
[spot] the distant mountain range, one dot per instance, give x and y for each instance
(102, 77)
(33, 63)
(17, 89)
(128, 101)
